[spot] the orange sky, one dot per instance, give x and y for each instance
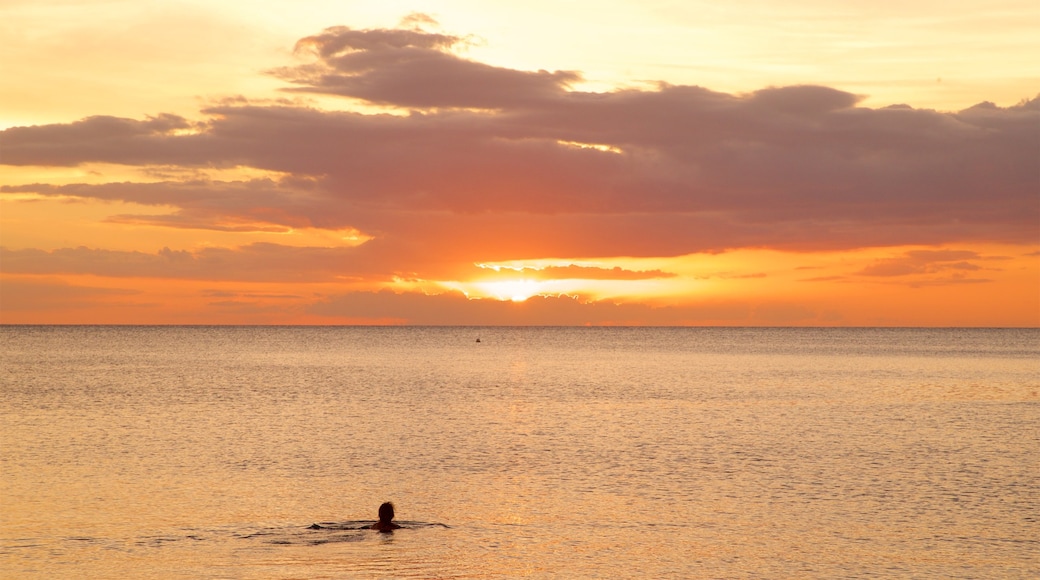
(444, 162)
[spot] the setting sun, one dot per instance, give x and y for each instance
(515, 290)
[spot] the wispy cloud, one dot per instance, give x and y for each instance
(575, 272)
(455, 309)
(41, 296)
(924, 262)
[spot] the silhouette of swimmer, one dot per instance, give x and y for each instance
(386, 514)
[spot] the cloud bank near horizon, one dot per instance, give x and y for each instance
(481, 164)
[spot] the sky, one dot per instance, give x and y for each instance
(763, 163)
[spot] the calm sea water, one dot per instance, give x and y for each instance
(207, 452)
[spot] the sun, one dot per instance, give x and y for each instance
(515, 290)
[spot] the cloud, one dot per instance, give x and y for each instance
(260, 262)
(923, 262)
(99, 137)
(268, 262)
(575, 272)
(454, 308)
(954, 279)
(487, 165)
(919, 268)
(594, 273)
(413, 68)
(42, 296)
(417, 20)
(253, 205)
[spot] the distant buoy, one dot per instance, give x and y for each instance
(478, 340)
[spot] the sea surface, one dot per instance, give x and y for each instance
(209, 452)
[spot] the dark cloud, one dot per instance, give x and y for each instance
(414, 69)
(253, 263)
(541, 170)
(96, 138)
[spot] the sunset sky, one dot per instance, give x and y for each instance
(796, 162)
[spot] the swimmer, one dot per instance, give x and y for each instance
(386, 513)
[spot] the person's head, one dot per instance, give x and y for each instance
(386, 512)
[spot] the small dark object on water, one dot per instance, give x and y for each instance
(478, 339)
(386, 514)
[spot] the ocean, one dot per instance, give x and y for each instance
(210, 452)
